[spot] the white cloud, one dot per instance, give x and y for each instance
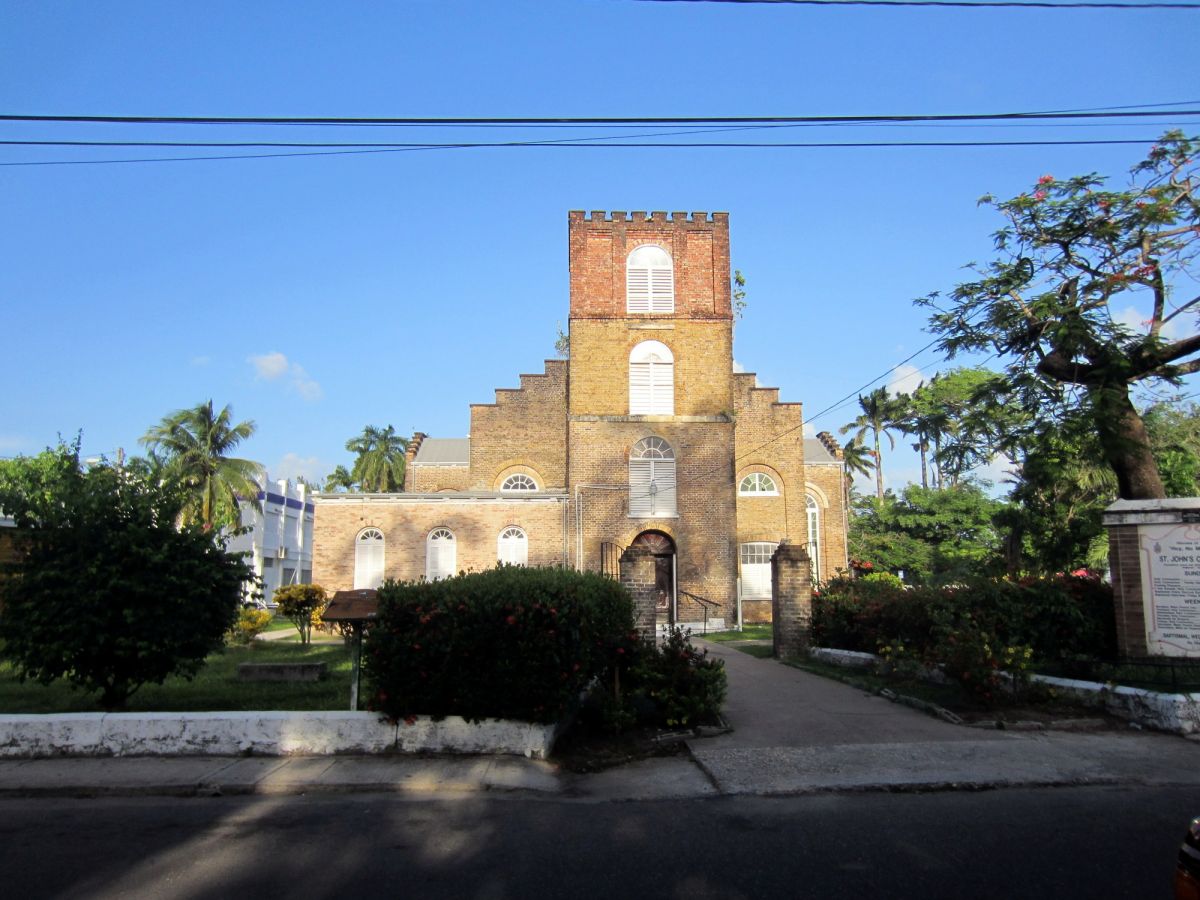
(310, 468)
(738, 367)
(810, 430)
(1138, 322)
(275, 365)
(200, 360)
(270, 366)
(905, 379)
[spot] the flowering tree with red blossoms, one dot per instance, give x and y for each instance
(1069, 251)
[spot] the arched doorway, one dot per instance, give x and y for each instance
(663, 550)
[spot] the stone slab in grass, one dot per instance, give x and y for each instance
(276, 671)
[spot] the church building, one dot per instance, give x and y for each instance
(644, 436)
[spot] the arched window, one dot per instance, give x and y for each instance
(649, 281)
(814, 536)
(519, 482)
(758, 484)
(512, 547)
(756, 570)
(368, 559)
(440, 554)
(652, 478)
(651, 380)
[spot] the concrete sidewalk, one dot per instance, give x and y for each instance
(793, 733)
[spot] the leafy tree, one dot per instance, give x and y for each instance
(879, 412)
(858, 461)
(1175, 437)
(195, 444)
(562, 343)
(340, 479)
(379, 467)
(739, 294)
(1070, 250)
(930, 535)
(107, 593)
(297, 603)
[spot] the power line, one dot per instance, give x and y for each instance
(586, 120)
(959, 4)
(812, 145)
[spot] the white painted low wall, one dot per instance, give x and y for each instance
(262, 733)
(1179, 713)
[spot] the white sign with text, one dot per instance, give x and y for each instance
(1171, 588)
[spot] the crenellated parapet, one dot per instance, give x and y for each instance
(696, 242)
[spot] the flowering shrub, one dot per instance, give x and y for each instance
(302, 604)
(250, 623)
(511, 642)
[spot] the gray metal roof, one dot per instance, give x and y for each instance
(815, 452)
(444, 452)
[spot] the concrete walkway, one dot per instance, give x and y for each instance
(792, 733)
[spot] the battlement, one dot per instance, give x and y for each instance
(658, 216)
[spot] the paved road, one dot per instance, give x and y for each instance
(1063, 843)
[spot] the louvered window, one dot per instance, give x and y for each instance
(440, 554)
(651, 380)
(652, 478)
(512, 547)
(814, 537)
(368, 559)
(756, 570)
(649, 281)
(758, 484)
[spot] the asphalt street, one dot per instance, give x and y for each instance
(1084, 842)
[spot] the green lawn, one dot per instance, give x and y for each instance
(215, 687)
(279, 623)
(748, 633)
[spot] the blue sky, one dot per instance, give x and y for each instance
(319, 294)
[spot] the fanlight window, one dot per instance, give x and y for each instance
(652, 478)
(758, 484)
(512, 547)
(368, 559)
(756, 570)
(519, 483)
(651, 380)
(649, 281)
(440, 554)
(814, 536)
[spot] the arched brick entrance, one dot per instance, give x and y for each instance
(662, 548)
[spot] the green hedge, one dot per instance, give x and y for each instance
(972, 631)
(510, 643)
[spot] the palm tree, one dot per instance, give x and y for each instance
(339, 479)
(858, 461)
(878, 415)
(379, 467)
(195, 444)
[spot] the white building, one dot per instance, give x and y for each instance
(279, 540)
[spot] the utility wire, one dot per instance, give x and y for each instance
(959, 4)
(587, 120)
(565, 146)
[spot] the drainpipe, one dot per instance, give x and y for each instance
(579, 515)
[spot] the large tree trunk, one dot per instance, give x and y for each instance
(878, 470)
(1126, 443)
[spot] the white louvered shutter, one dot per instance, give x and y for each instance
(440, 555)
(641, 392)
(756, 570)
(662, 388)
(368, 559)
(637, 289)
(662, 489)
(662, 290)
(640, 473)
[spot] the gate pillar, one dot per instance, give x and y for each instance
(638, 577)
(791, 600)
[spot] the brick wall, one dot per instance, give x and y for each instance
(523, 431)
(1125, 561)
(699, 248)
(791, 601)
(407, 522)
(435, 479)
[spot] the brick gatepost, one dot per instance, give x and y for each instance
(791, 600)
(637, 576)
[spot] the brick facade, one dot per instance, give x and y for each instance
(571, 431)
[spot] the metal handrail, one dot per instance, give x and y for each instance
(705, 603)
